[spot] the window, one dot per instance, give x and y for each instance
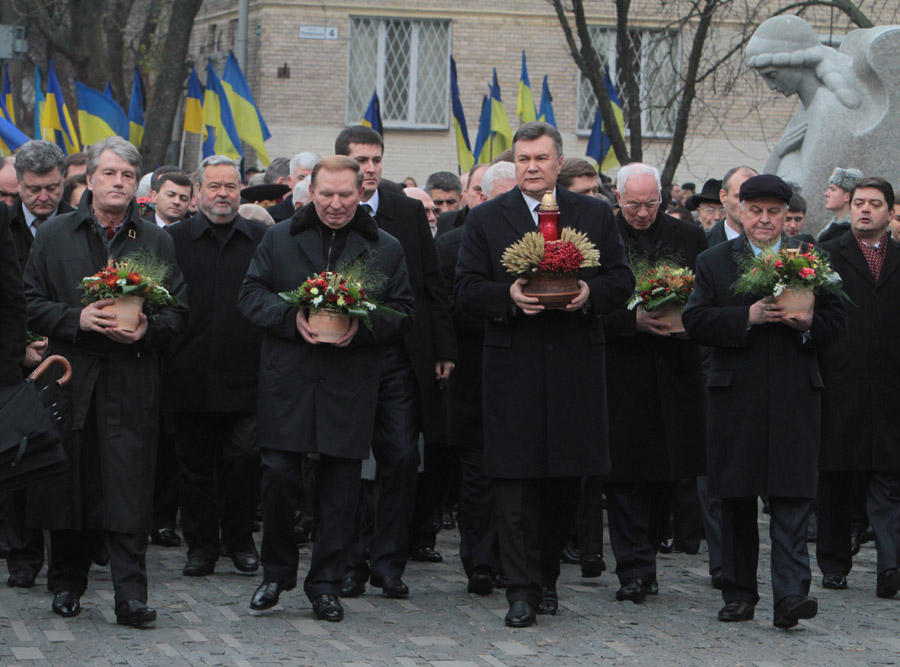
(408, 62)
(657, 60)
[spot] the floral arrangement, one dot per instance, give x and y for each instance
(771, 273)
(532, 254)
(661, 285)
(333, 292)
(141, 275)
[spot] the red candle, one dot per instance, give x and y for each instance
(548, 218)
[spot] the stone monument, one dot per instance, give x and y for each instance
(849, 112)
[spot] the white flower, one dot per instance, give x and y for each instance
(121, 282)
(779, 288)
(368, 305)
(318, 300)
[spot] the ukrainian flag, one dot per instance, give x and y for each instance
(11, 137)
(39, 103)
(525, 102)
(372, 117)
(136, 111)
(249, 121)
(546, 111)
(484, 125)
(599, 146)
(99, 116)
(223, 136)
(6, 99)
(498, 135)
(56, 124)
(108, 92)
(193, 105)
(464, 157)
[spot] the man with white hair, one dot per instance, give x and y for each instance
(498, 179)
(301, 193)
(300, 167)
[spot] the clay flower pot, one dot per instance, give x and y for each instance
(796, 303)
(671, 315)
(329, 325)
(127, 310)
(554, 291)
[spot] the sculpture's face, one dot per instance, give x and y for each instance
(784, 80)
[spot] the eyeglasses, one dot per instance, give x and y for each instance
(712, 209)
(436, 210)
(649, 205)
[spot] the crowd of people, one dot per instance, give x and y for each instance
(462, 401)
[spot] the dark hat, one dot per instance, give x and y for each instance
(709, 193)
(265, 192)
(766, 185)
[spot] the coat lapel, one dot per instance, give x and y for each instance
(851, 252)
(516, 213)
(569, 210)
(891, 261)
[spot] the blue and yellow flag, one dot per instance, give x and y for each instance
(136, 111)
(525, 102)
(599, 146)
(464, 157)
(484, 126)
(99, 116)
(372, 117)
(193, 105)
(108, 92)
(546, 111)
(56, 123)
(6, 100)
(222, 135)
(499, 134)
(249, 121)
(39, 103)
(11, 137)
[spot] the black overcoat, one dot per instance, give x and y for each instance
(860, 419)
(123, 379)
(12, 311)
(655, 390)
(21, 234)
(544, 380)
(763, 384)
(320, 398)
(214, 366)
(431, 336)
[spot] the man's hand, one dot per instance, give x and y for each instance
(583, 293)
(93, 318)
(33, 353)
(442, 369)
(765, 311)
(344, 340)
(309, 334)
(527, 304)
(800, 323)
(651, 323)
(126, 337)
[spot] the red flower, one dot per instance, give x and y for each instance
(807, 273)
(134, 278)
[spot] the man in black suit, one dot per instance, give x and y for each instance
(409, 399)
(12, 312)
(859, 420)
(763, 400)
(472, 196)
(730, 228)
(544, 388)
(300, 166)
(172, 198)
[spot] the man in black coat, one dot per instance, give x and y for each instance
(211, 374)
(544, 387)
(110, 434)
(317, 398)
(410, 394)
(860, 422)
(730, 227)
(472, 197)
(656, 430)
(763, 400)
(12, 312)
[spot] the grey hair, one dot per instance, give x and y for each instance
(279, 167)
(636, 169)
(494, 173)
(117, 145)
(39, 157)
(305, 160)
(536, 130)
(301, 190)
(257, 213)
(215, 161)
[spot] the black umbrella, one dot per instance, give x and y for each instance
(30, 446)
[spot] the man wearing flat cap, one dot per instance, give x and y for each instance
(709, 209)
(763, 390)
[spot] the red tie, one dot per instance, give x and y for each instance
(110, 232)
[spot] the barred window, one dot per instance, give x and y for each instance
(408, 62)
(656, 57)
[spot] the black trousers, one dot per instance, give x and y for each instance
(638, 513)
(476, 518)
(26, 545)
(165, 485)
(73, 552)
(432, 487)
(220, 475)
(589, 519)
(711, 516)
(883, 505)
(338, 487)
(687, 525)
(835, 516)
(788, 520)
(532, 528)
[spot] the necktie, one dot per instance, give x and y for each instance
(535, 213)
(110, 232)
(369, 210)
(37, 222)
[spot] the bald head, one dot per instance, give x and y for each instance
(430, 210)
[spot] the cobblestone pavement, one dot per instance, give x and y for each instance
(206, 621)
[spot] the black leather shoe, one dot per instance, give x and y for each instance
(245, 561)
(737, 611)
(165, 537)
(570, 555)
(267, 593)
(328, 608)
(716, 579)
(592, 565)
(500, 580)
(888, 583)
(481, 582)
(426, 555)
(652, 586)
(667, 546)
(66, 604)
(634, 590)
(197, 566)
(391, 586)
(134, 612)
(549, 604)
(837, 582)
(520, 615)
(21, 579)
(351, 587)
(792, 608)
(854, 543)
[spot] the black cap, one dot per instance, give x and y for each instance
(265, 192)
(709, 193)
(766, 185)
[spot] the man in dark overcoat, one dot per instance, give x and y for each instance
(211, 375)
(544, 386)
(110, 435)
(860, 422)
(12, 312)
(763, 408)
(318, 398)
(655, 391)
